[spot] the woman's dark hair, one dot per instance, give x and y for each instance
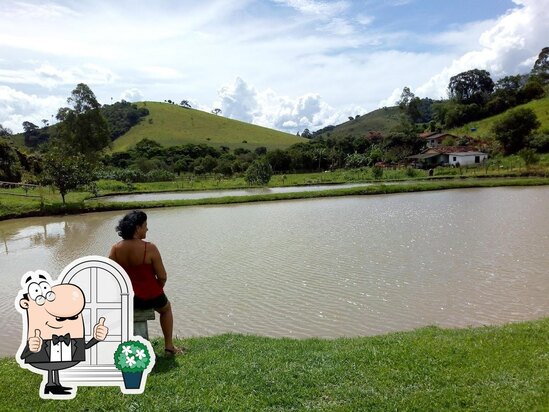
(128, 224)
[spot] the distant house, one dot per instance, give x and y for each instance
(449, 155)
(466, 158)
(435, 139)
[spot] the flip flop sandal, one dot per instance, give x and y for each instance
(175, 351)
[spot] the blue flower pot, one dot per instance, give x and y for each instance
(132, 380)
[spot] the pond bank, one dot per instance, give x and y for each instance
(503, 368)
(88, 205)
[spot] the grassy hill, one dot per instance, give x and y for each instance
(385, 119)
(381, 120)
(484, 126)
(171, 125)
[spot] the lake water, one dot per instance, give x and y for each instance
(349, 266)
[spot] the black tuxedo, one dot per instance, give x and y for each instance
(41, 360)
(78, 347)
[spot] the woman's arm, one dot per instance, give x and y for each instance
(158, 265)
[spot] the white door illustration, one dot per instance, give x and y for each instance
(108, 293)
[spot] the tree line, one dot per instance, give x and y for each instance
(473, 95)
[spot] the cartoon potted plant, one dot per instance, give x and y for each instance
(132, 358)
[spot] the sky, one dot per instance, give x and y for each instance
(283, 64)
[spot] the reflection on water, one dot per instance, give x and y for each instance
(323, 267)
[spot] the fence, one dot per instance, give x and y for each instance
(6, 188)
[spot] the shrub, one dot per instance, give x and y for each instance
(159, 175)
(377, 172)
(540, 143)
(411, 172)
(122, 175)
(355, 160)
(529, 156)
(259, 172)
(514, 129)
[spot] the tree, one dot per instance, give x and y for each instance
(216, 111)
(4, 131)
(533, 89)
(260, 151)
(10, 166)
(540, 142)
(224, 166)
(356, 160)
(121, 116)
(306, 134)
(182, 165)
(148, 149)
(506, 94)
(32, 135)
(405, 98)
(541, 66)
(279, 160)
(529, 156)
(514, 129)
(66, 171)
(319, 153)
(185, 103)
(473, 86)
(83, 128)
(418, 110)
(259, 172)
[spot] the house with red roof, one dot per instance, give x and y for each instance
(435, 139)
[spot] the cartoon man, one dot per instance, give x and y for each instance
(55, 328)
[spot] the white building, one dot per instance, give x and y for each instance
(466, 158)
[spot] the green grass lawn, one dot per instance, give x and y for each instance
(484, 126)
(502, 368)
(171, 125)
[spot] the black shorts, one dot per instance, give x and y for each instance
(155, 303)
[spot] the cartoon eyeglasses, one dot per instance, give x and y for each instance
(40, 292)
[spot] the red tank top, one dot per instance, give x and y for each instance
(144, 282)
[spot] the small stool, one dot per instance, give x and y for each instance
(140, 318)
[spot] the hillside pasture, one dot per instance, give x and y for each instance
(172, 125)
(484, 127)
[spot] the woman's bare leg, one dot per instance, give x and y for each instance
(166, 323)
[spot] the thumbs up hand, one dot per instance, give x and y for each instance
(35, 342)
(100, 331)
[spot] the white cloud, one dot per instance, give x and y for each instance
(132, 95)
(267, 108)
(316, 8)
(339, 27)
(392, 99)
(161, 72)
(17, 107)
(49, 76)
(364, 19)
(238, 101)
(22, 9)
(504, 49)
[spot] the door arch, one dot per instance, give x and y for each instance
(109, 294)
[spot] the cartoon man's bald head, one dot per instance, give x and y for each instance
(52, 309)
